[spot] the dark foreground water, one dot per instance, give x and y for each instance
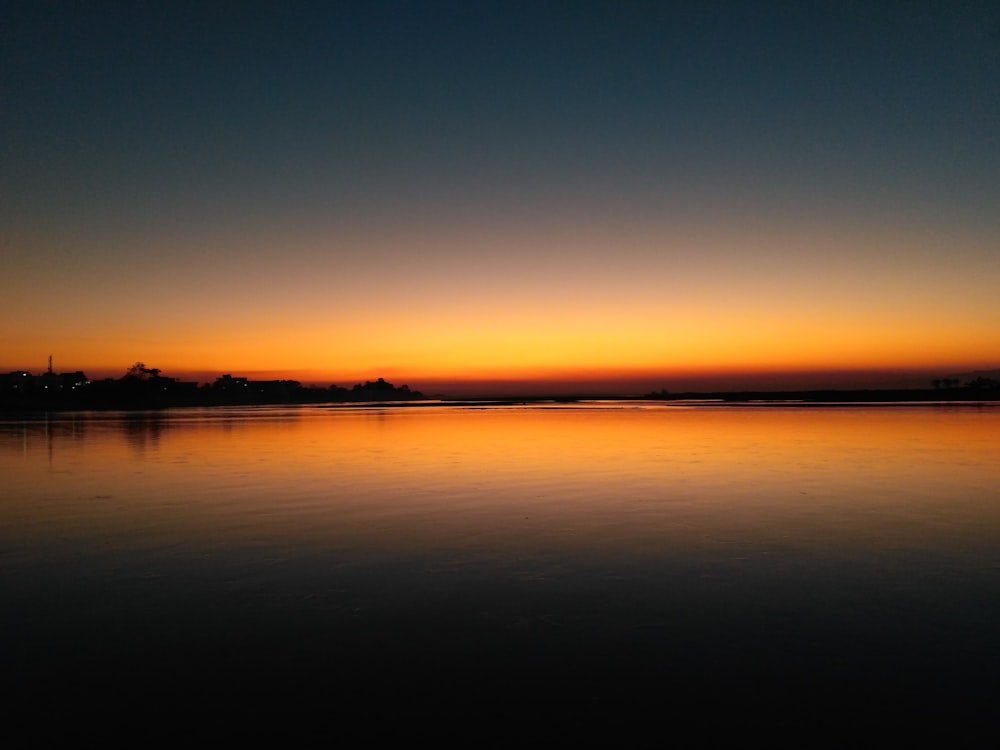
(486, 574)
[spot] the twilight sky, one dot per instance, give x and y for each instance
(624, 195)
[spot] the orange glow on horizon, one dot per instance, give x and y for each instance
(587, 300)
(488, 350)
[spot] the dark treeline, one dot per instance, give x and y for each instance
(143, 387)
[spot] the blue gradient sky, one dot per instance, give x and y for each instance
(437, 192)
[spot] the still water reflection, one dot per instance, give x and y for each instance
(778, 561)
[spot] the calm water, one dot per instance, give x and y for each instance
(626, 561)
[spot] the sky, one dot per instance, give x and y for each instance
(603, 196)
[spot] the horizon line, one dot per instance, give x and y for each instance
(590, 381)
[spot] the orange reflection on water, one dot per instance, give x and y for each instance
(625, 480)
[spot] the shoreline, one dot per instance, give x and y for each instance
(757, 400)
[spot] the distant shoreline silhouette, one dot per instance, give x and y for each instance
(143, 387)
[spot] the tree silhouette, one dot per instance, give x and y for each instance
(140, 371)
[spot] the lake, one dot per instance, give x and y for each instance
(606, 565)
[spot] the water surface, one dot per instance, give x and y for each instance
(640, 560)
